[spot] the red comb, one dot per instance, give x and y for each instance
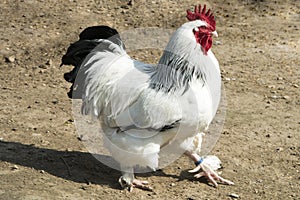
(202, 15)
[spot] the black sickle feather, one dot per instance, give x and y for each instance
(77, 51)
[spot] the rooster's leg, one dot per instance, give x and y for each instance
(128, 181)
(206, 170)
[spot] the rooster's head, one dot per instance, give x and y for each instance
(205, 29)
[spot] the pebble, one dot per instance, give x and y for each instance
(296, 86)
(42, 14)
(69, 150)
(218, 42)
(233, 195)
(279, 78)
(286, 97)
(42, 66)
(271, 86)
(124, 6)
(55, 101)
(15, 167)
(49, 62)
(279, 149)
(10, 59)
(83, 187)
(274, 97)
(173, 184)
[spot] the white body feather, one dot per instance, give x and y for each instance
(118, 91)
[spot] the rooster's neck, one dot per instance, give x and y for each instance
(179, 65)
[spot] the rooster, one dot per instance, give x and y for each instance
(143, 107)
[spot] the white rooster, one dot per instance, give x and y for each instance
(144, 107)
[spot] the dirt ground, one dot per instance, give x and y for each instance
(258, 49)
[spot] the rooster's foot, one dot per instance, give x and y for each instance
(211, 175)
(135, 183)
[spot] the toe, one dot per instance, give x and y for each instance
(212, 180)
(144, 185)
(225, 181)
(199, 175)
(196, 169)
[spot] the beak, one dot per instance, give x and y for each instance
(214, 33)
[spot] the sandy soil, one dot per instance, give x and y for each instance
(259, 53)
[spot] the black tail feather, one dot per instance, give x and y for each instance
(76, 53)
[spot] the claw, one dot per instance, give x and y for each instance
(196, 169)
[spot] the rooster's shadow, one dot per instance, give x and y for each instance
(80, 167)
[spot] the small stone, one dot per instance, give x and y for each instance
(49, 62)
(286, 97)
(279, 149)
(10, 59)
(15, 167)
(295, 85)
(279, 78)
(42, 66)
(227, 79)
(54, 101)
(173, 184)
(274, 97)
(218, 42)
(271, 86)
(233, 195)
(42, 171)
(125, 7)
(84, 187)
